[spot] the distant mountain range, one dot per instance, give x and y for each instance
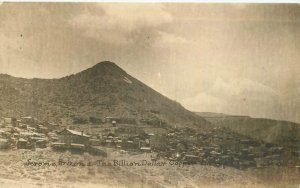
(213, 114)
(268, 130)
(102, 90)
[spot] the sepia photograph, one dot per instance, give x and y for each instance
(149, 95)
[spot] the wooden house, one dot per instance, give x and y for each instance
(22, 143)
(28, 120)
(4, 144)
(71, 137)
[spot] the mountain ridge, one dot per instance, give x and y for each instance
(268, 130)
(102, 90)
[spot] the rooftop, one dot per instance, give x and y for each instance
(76, 132)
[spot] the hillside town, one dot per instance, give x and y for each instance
(218, 147)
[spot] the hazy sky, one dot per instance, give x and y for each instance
(232, 58)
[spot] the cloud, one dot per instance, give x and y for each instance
(204, 102)
(242, 87)
(120, 20)
(136, 15)
(12, 56)
(169, 40)
(240, 6)
(238, 96)
(238, 12)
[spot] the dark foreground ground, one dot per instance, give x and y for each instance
(44, 168)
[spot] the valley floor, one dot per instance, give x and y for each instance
(25, 168)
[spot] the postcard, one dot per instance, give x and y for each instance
(153, 95)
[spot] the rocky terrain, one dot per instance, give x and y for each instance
(100, 91)
(272, 131)
(16, 169)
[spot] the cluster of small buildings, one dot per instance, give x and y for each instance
(29, 133)
(218, 147)
(24, 133)
(222, 147)
(127, 143)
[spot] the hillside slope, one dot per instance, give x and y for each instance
(102, 90)
(258, 128)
